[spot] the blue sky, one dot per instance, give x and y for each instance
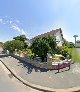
(34, 17)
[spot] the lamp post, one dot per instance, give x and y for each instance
(75, 47)
(75, 39)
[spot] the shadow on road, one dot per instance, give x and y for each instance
(30, 67)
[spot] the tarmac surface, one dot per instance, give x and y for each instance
(9, 83)
(63, 80)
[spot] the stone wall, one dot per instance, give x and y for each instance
(35, 62)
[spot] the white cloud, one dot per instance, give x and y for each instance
(1, 20)
(17, 21)
(10, 21)
(4, 23)
(23, 32)
(14, 24)
(16, 28)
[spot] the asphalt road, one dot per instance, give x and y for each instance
(9, 83)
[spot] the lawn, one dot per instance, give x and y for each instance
(75, 54)
(58, 58)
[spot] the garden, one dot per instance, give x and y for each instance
(40, 48)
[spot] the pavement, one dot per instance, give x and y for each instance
(66, 79)
(9, 83)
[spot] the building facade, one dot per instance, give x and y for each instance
(57, 33)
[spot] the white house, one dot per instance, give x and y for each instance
(57, 33)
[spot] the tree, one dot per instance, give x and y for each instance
(64, 51)
(59, 49)
(18, 43)
(23, 39)
(43, 45)
(1, 44)
(14, 44)
(71, 45)
(65, 43)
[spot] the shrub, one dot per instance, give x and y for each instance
(20, 52)
(58, 50)
(64, 51)
(29, 52)
(43, 45)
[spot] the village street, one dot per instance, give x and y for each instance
(9, 83)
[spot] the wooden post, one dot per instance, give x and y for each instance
(58, 68)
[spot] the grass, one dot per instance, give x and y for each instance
(75, 54)
(58, 58)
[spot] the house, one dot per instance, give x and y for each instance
(57, 33)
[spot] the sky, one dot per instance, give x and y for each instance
(34, 17)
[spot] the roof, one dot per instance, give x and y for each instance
(53, 32)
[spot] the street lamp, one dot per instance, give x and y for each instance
(75, 39)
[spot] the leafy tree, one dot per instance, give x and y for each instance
(71, 45)
(68, 44)
(58, 50)
(64, 51)
(1, 44)
(65, 43)
(14, 44)
(22, 38)
(43, 45)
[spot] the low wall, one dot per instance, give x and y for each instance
(45, 65)
(33, 62)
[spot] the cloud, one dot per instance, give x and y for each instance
(1, 20)
(14, 24)
(17, 21)
(10, 22)
(15, 27)
(18, 29)
(23, 32)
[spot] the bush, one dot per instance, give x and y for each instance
(29, 52)
(43, 45)
(14, 44)
(20, 52)
(58, 50)
(64, 51)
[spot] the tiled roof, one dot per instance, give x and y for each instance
(53, 32)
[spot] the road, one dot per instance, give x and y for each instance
(9, 83)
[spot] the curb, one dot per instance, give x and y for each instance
(38, 87)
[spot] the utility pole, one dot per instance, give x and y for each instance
(75, 39)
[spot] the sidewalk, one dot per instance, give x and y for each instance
(42, 77)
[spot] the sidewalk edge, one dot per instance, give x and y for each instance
(38, 87)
